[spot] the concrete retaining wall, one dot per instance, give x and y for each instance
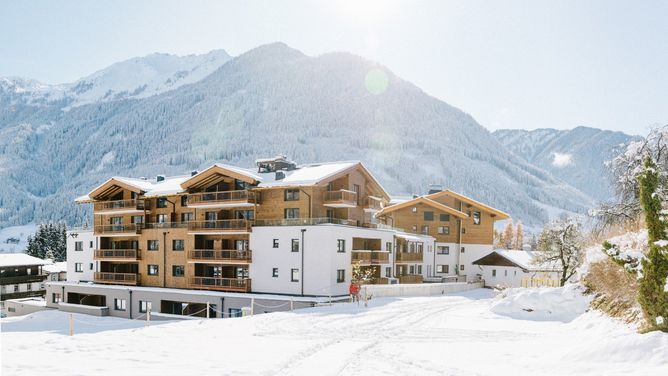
(418, 289)
(85, 309)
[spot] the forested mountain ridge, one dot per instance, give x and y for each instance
(270, 100)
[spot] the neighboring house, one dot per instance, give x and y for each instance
(21, 276)
(513, 268)
(81, 245)
(462, 227)
(56, 271)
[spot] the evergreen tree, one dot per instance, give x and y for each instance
(49, 242)
(653, 296)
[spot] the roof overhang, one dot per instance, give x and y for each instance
(495, 212)
(111, 187)
(422, 200)
(211, 174)
(367, 174)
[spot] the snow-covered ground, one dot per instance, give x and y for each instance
(447, 335)
(15, 239)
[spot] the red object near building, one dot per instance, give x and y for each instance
(354, 289)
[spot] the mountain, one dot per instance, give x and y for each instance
(270, 100)
(139, 77)
(576, 156)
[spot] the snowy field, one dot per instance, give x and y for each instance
(527, 332)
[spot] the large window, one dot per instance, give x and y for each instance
(178, 245)
(291, 195)
(78, 246)
(294, 275)
(425, 229)
(340, 275)
(144, 306)
(178, 270)
(162, 202)
(161, 218)
(56, 297)
(428, 216)
(153, 269)
(442, 268)
(234, 312)
(78, 267)
(152, 245)
(184, 201)
(443, 249)
(137, 219)
(120, 304)
(444, 230)
(291, 213)
(186, 217)
(295, 245)
(388, 247)
(341, 245)
(476, 217)
(444, 217)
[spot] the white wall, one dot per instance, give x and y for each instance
(455, 258)
(22, 287)
(84, 257)
(512, 276)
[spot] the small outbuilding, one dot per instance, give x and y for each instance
(514, 268)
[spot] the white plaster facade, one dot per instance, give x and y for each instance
(81, 265)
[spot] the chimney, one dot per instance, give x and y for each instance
(280, 175)
(194, 172)
(160, 178)
(435, 188)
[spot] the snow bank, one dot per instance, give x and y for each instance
(542, 304)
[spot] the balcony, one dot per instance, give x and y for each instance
(224, 256)
(370, 257)
(118, 230)
(117, 278)
(342, 198)
(409, 256)
(23, 279)
(120, 206)
(373, 204)
(161, 225)
(117, 254)
(303, 222)
(410, 278)
(222, 284)
(227, 226)
(222, 199)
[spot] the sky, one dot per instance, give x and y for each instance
(510, 64)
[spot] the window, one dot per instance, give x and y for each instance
(245, 214)
(340, 245)
(162, 202)
(29, 286)
(16, 288)
(178, 271)
(388, 247)
(120, 304)
(419, 269)
(443, 250)
(295, 245)
(428, 216)
(137, 219)
(425, 229)
(444, 217)
(444, 230)
(493, 272)
(152, 269)
(78, 246)
(78, 267)
(275, 243)
(505, 273)
(152, 245)
(442, 268)
(414, 228)
(388, 271)
(234, 312)
(291, 213)
(463, 250)
(340, 275)
(291, 195)
(186, 217)
(414, 209)
(56, 297)
(184, 201)
(294, 275)
(161, 218)
(463, 230)
(274, 272)
(412, 269)
(91, 244)
(461, 267)
(90, 266)
(178, 245)
(144, 306)
(476, 217)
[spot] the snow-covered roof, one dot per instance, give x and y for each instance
(20, 259)
(309, 174)
(522, 259)
(57, 267)
(169, 186)
(413, 237)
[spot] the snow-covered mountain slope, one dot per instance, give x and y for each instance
(15, 238)
(270, 100)
(576, 156)
(138, 77)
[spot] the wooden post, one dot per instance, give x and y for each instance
(366, 298)
(148, 316)
(292, 304)
(71, 325)
(252, 306)
(330, 299)
(207, 310)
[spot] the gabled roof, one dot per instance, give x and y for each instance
(422, 200)
(524, 260)
(20, 259)
(500, 214)
(213, 172)
(148, 188)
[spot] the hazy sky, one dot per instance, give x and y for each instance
(511, 64)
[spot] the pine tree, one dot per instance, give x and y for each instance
(50, 240)
(652, 295)
(519, 237)
(508, 235)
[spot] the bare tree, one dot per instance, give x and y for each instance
(560, 246)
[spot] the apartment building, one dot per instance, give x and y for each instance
(241, 235)
(463, 229)
(21, 276)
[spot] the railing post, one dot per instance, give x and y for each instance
(252, 306)
(71, 324)
(207, 310)
(292, 304)
(148, 316)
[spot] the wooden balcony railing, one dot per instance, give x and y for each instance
(410, 278)
(409, 256)
(117, 278)
(118, 229)
(303, 222)
(231, 255)
(120, 205)
(23, 279)
(117, 254)
(341, 197)
(221, 198)
(224, 284)
(376, 257)
(154, 225)
(226, 225)
(373, 204)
